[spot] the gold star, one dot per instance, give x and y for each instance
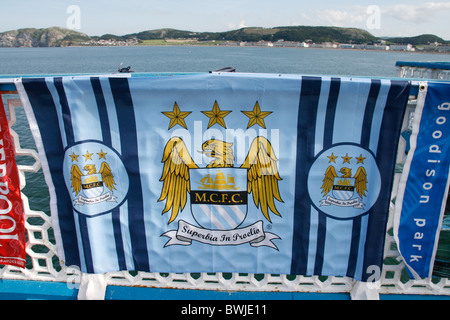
(332, 158)
(216, 116)
(256, 116)
(360, 159)
(74, 156)
(87, 156)
(346, 159)
(101, 154)
(177, 117)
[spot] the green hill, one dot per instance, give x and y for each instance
(55, 36)
(301, 33)
(417, 40)
(253, 34)
(46, 37)
(51, 37)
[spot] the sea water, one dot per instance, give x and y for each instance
(306, 61)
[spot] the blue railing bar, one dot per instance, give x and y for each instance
(428, 65)
(133, 74)
(47, 290)
(7, 81)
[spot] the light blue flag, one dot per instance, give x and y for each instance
(218, 172)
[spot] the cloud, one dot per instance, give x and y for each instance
(237, 20)
(389, 19)
(421, 13)
(343, 18)
(357, 15)
(240, 25)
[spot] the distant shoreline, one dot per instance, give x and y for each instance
(230, 46)
(316, 37)
(293, 48)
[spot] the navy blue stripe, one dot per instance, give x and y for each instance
(47, 119)
(365, 140)
(118, 238)
(354, 247)
(386, 156)
(84, 232)
(368, 114)
(320, 249)
(128, 139)
(67, 118)
(102, 111)
(70, 138)
(306, 127)
(335, 85)
(106, 135)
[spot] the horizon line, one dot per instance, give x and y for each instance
(245, 27)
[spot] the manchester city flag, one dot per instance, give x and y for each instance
(218, 172)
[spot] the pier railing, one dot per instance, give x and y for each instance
(423, 70)
(43, 263)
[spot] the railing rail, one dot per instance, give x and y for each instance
(423, 70)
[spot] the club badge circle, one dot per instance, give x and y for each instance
(344, 181)
(95, 177)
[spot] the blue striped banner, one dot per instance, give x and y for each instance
(137, 140)
(423, 188)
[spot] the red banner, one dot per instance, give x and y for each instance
(12, 224)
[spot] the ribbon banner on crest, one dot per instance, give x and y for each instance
(234, 172)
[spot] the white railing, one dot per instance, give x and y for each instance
(423, 73)
(423, 70)
(43, 262)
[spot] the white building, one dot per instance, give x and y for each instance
(402, 47)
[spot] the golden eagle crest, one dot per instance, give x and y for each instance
(92, 184)
(344, 188)
(344, 181)
(260, 164)
(360, 180)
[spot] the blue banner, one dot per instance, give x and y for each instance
(216, 172)
(423, 188)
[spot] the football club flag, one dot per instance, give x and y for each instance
(12, 223)
(423, 189)
(218, 172)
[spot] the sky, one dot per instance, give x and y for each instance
(97, 17)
